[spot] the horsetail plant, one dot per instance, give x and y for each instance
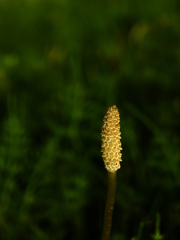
(111, 147)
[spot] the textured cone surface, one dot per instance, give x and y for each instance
(111, 144)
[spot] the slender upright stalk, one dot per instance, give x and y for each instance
(109, 205)
(111, 154)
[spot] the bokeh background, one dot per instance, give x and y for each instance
(62, 64)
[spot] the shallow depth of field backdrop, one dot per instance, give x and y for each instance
(62, 64)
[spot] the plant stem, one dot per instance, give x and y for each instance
(109, 205)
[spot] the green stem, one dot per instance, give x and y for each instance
(109, 205)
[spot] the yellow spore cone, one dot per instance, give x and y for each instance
(111, 144)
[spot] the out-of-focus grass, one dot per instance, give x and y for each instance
(62, 64)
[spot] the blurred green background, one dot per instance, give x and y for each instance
(62, 64)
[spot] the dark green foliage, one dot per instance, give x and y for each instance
(62, 64)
